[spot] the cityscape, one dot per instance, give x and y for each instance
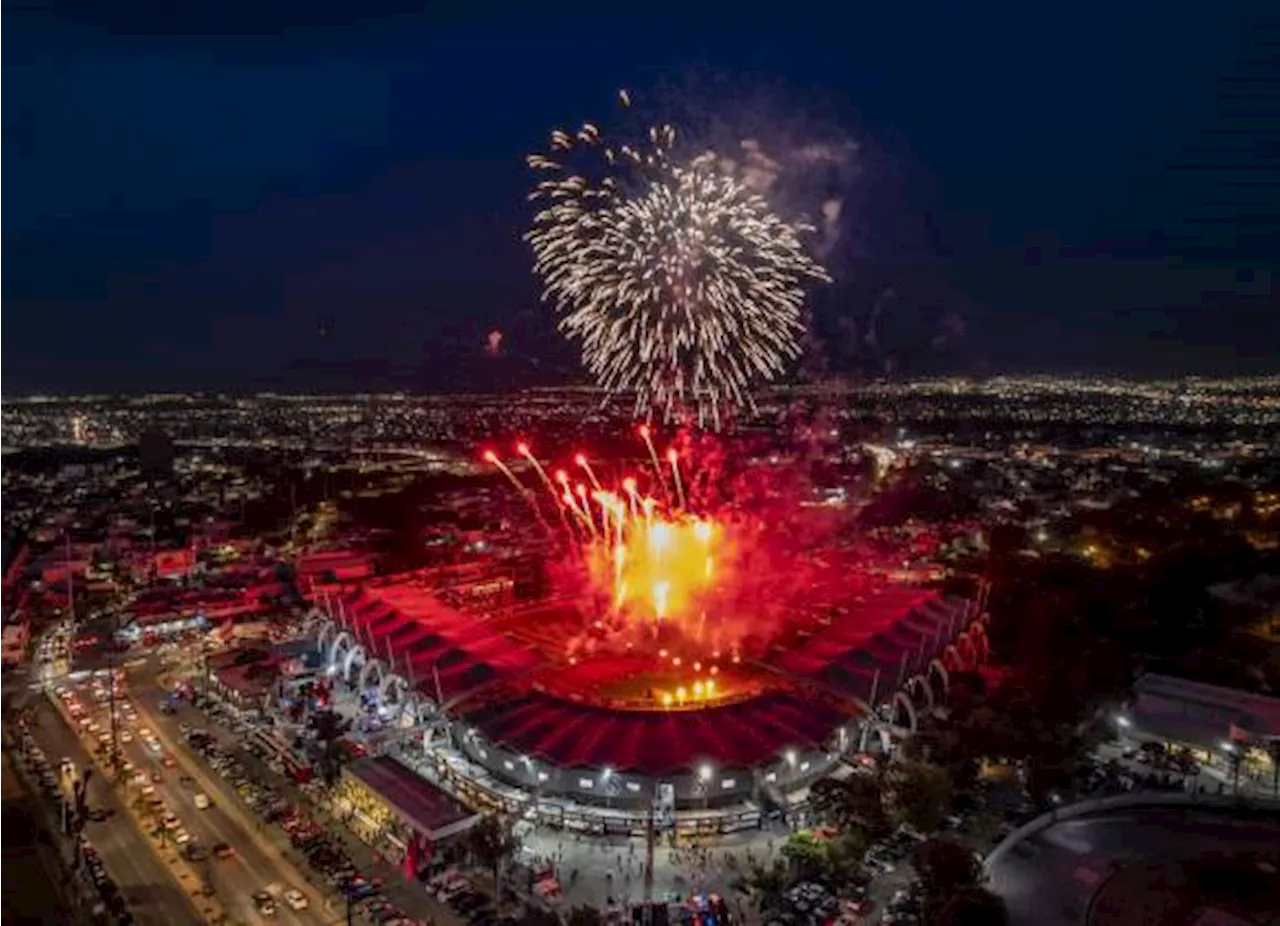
(310, 658)
(770, 465)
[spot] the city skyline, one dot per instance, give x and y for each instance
(338, 205)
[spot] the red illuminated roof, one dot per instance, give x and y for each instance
(655, 742)
(896, 632)
(430, 640)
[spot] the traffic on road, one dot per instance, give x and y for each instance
(156, 784)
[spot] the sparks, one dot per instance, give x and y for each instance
(679, 283)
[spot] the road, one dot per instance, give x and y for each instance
(409, 896)
(259, 863)
(1050, 877)
(148, 887)
(253, 868)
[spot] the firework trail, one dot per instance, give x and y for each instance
(677, 280)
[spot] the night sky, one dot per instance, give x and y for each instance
(227, 198)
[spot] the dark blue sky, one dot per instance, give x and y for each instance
(232, 198)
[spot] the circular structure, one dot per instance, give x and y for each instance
(1139, 859)
(1181, 891)
(692, 653)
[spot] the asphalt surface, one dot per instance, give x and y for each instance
(253, 867)
(410, 897)
(148, 887)
(1050, 877)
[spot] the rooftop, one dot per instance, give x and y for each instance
(430, 810)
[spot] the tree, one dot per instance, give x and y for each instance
(844, 853)
(806, 855)
(855, 801)
(973, 906)
(329, 727)
(946, 868)
(767, 886)
(984, 733)
(921, 794)
(492, 842)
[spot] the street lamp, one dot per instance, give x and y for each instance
(1235, 757)
(704, 778)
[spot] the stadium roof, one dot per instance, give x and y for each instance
(654, 742)
(429, 640)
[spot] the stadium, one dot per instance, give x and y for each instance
(457, 656)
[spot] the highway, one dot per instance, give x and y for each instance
(1050, 877)
(255, 866)
(148, 887)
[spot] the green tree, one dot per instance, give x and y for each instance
(806, 855)
(844, 854)
(921, 794)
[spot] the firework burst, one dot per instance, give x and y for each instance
(680, 283)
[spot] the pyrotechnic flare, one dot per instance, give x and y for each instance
(524, 451)
(583, 462)
(681, 284)
(647, 436)
(525, 493)
(655, 564)
(674, 459)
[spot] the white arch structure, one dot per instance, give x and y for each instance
(902, 698)
(368, 668)
(349, 662)
(342, 650)
(342, 644)
(970, 648)
(393, 682)
(938, 667)
(326, 633)
(919, 684)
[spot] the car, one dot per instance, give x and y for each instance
(265, 903)
(202, 801)
(296, 899)
(223, 850)
(181, 837)
(126, 736)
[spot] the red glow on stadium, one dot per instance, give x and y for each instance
(662, 575)
(659, 613)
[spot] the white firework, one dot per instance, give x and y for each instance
(681, 284)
